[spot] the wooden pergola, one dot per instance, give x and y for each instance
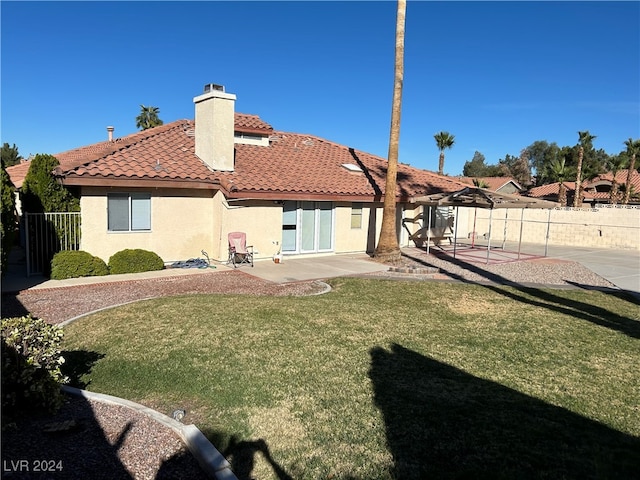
(475, 197)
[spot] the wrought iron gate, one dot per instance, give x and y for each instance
(46, 234)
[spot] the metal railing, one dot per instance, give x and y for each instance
(47, 234)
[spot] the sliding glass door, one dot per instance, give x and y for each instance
(307, 227)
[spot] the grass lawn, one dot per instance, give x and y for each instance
(385, 379)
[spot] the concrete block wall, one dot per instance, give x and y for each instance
(605, 226)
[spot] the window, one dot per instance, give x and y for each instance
(356, 215)
(129, 212)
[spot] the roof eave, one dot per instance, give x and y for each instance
(111, 182)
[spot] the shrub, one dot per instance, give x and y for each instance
(31, 362)
(8, 215)
(40, 190)
(76, 263)
(134, 261)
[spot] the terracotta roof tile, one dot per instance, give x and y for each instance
(251, 124)
(18, 172)
(292, 165)
(621, 178)
(550, 189)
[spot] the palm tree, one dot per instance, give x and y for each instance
(443, 140)
(584, 140)
(478, 182)
(614, 165)
(559, 171)
(633, 148)
(388, 249)
(148, 118)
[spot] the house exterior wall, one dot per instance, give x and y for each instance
(260, 220)
(508, 188)
(606, 226)
(175, 235)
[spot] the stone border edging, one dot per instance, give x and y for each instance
(209, 458)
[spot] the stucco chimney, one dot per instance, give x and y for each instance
(110, 132)
(215, 126)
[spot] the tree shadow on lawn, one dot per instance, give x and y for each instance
(444, 423)
(585, 311)
(242, 454)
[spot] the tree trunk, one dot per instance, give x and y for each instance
(388, 249)
(441, 164)
(613, 196)
(562, 195)
(627, 185)
(576, 197)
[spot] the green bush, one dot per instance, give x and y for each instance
(77, 263)
(31, 362)
(134, 261)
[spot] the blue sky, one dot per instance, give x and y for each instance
(497, 75)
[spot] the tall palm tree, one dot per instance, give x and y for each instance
(388, 249)
(148, 118)
(559, 172)
(633, 148)
(443, 140)
(584, 140)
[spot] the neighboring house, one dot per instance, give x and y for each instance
(598, 189)
(496, 184)
(180, 188)
(595, 190)
(550, 191)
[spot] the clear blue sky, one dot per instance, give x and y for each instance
(497, 75)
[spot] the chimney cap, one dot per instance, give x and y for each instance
(209, 87)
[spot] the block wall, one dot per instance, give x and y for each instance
(605, 226)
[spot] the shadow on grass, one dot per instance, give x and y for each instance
(546, 299)
(242, 454)
(443, 423)
(77, 365)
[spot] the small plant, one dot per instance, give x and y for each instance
(77, 263)
(134, 261)
(31, 362)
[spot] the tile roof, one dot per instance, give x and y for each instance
(18, 172)
(293, 166)
(550, 189)
(621, 179)
(246, 123)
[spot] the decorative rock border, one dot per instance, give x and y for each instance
(210, 459)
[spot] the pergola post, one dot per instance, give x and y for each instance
(489, 239)
(455, 234)
(429, 230)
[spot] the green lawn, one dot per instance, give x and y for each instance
(385, 379)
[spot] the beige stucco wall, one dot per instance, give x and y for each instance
(607, 226)
(260, 220)
(181, 225)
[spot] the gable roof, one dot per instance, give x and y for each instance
(293, 166)
(493, 183)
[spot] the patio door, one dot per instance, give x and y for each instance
(307, 227)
